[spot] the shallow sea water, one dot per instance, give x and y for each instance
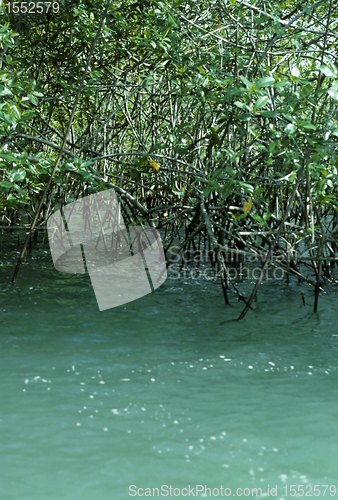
(164, 390)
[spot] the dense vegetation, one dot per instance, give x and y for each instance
(216, 116)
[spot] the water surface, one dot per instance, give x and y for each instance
(163, 390)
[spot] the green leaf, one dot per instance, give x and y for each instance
(270, 114)
(242, 105)
(70, 167)
(253, 132)
(327, 71)
(33, 99)
(87, 164)
(261, 19)
(300, 34)
(258, 218)
(4, 91)
(272, 146)
(240, 153)
(135, 174)
(27, 115)
(307, 126)
(6, 184)
(77, 160)
(261, 101)
(217, 173)
(258, 191)
(242, 216)
(333, 92)
(16, 111)
(8, 157)
(19, 190)
(279, 29)
(19, 175)
(172, 20)
(305, 91)
(281, 83)
(295, 72)
(246, 81)
(207, 190)
(290, 128)
(245, 117)
(267, 215)
(247, 187)
(267, 81)
(85, 175)
(227, 190)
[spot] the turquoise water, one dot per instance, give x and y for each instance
(163, 390)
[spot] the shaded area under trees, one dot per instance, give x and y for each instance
(214, 121)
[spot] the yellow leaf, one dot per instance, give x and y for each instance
(154, 164)
(247, 206)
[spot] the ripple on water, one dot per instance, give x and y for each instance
(164, 388)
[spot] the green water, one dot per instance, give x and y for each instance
(163, 390)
